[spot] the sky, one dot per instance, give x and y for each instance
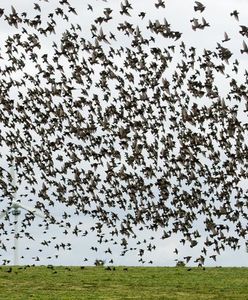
(178, 13)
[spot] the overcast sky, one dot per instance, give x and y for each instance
(178, 13)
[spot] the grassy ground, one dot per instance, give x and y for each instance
(132, 283)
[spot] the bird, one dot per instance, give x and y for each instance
(160, 3)
(90, 7)
(244, 30)
(245, 48)
(235, 14)
(226, 38)
(199, 6)
(142, 14)
(1, 12)
(125, 8)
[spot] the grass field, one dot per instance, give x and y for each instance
(122, 283)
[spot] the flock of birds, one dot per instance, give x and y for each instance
(130, 136)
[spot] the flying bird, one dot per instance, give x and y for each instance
(235, 14)
(199, 6)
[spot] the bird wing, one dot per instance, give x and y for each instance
(245, 46)
(13, 10)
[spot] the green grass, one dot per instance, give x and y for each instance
(136, 283)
